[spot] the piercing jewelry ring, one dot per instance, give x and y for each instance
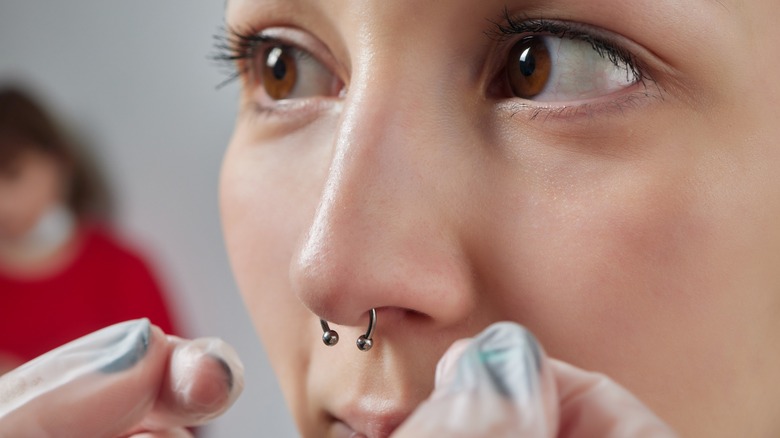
(364, 342)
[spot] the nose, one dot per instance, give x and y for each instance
(387, 231)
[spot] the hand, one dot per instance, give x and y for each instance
(124, 380)
(501, 384)
(8, 362)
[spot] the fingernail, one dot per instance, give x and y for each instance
(128, 348)
(512, 358)
(226, 368)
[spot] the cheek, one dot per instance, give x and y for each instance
(655, 274)
(260, 219)
(605, 251)
(268, 193)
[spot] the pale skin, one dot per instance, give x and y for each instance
(635, 234)
(31, 184)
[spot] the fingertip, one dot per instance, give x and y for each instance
(203, 386)
(228, 373)
(445, 368)
(170, 433)
(502, 369)
(505, 357)
(208, 377)
(204, 378)
(132, 346)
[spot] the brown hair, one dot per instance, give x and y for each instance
(26, 126)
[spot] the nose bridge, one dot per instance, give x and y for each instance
(382, 153)
(378, 238)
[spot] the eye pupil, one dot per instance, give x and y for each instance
(279, 69)
(527, 62)
(279, 73)
(529, 67)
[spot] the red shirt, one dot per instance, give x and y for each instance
(104, 284)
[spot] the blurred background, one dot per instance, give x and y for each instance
(132, 81)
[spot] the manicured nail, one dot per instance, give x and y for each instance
(512, 358)
(226, 368)
(129, 347)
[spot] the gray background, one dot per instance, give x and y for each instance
(132, 78)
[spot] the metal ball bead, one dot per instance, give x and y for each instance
(364, 344)
(330, 338)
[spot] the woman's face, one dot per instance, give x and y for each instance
(30, 184)
(603, 172)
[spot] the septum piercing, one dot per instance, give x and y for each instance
(364, 342)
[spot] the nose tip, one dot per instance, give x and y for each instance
(351, 264)
(321, 280)
(334, 284)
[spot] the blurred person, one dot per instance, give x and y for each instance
(63, 271)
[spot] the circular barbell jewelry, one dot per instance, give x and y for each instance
(364, 342)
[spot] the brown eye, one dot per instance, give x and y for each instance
(289, 73)
(528, 67)
(280, 73)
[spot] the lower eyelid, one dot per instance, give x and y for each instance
(618, 104)
(280, 120)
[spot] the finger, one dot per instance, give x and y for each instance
(97, 386)
(204, 378)
(8, 362)
(496, 385)
(171, 433)
(593, 405)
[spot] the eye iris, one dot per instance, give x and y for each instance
(280, 73)
(528, 67)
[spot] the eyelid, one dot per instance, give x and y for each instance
(238, 48)
(305, 44)
(607, 44)
(643, 64)
(515, 27)
(581, 113)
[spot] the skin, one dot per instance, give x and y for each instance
(636, 237)
(28, 186)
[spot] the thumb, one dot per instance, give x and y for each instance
(495, 385)
(203, 378)
(98, 386)
(593, 405)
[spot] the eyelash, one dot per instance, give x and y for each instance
(235, 51)
(513, 27)
(235, 47)
(509, 28)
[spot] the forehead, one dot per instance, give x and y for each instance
(366, 9)
(655, 17)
